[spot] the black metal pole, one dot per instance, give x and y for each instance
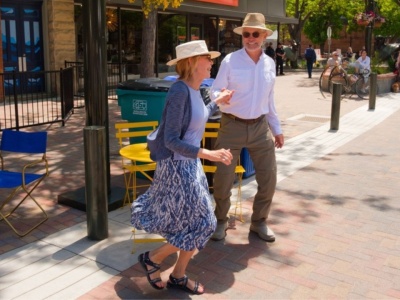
(368, 30)
(95, 192)
(335, 112)
(372, 90)
(95, 69)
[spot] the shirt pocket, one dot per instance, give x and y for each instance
(269, 75)
(239, 80)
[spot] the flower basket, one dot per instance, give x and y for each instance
(377, 24)
(362, 22)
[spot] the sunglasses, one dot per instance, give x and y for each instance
(255, 34)
(208, 57)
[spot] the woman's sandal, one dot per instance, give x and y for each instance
(145, 261)
(181, 283)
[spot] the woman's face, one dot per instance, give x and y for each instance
(203, 66)
(364, 54)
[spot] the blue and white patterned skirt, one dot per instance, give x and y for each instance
(177, 205)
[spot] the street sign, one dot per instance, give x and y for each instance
(329, 32)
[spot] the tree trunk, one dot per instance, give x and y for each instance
(148, 45)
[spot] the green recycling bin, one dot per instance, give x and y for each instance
(142, 100)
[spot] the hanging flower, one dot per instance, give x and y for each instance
(379, 19)
(366, 17)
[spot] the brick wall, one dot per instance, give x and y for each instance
(355, 40)
(61, 32)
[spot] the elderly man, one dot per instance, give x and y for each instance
(335, 60)
(248, 121)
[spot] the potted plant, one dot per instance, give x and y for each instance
(378, 21)
(364, 18)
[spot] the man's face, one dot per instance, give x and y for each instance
(253, 38)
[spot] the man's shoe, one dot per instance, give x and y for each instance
(220, 232)
(282, 74)
(263, 231)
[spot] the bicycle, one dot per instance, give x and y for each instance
(351, 83)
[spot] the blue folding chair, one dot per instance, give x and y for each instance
(33, 145)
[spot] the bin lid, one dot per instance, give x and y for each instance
(146, 84)
(206, 82)
(171, 77)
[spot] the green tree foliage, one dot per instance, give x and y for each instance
(390, 9)
(149, 8)
(314, 17)
(150, 5)
(314, 27)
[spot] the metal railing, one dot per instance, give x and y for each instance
(35, 98)
(116, 73)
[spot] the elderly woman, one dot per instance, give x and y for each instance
(349, 54)
(177, 205)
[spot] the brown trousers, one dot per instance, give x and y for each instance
(235, 135)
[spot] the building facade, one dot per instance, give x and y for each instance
(43, 34)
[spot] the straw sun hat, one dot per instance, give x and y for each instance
(253, 20)
(191, 49)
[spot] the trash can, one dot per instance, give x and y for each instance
(247, 163)
(142, 100)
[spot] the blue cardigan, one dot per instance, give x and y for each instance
(175, 121)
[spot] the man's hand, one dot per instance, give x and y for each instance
(279, 141)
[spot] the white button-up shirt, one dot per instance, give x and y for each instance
(253, 86)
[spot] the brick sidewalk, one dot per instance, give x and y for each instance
(335, 219)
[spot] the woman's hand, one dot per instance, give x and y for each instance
(224, 97)
(220, 155)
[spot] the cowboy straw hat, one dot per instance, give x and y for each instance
(190, 49)
(253, 20)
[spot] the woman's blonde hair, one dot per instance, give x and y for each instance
(186, 67)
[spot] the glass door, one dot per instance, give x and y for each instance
(21, 32)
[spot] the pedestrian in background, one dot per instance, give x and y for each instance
(280, 56)
(246, 122)
(177, 205)
(311, 58)
(270, 51)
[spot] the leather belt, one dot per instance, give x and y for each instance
(246, 121)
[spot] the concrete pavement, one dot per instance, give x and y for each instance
(335, 214)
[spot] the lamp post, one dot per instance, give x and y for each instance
(368, 30)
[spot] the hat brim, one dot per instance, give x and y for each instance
(239, 30)
(213, 54)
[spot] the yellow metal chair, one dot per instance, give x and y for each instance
(211, 132)
(25, 155)
(124, 132)
(143, 240)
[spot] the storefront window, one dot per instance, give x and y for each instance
(228, 40)
(171, 32)
(131, 34)
(125, 43)
(131, 38)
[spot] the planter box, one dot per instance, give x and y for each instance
(385, 81)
